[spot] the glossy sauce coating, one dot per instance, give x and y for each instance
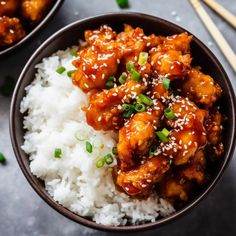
(18, 16)
(149, 65)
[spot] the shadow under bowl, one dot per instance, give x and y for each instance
(69, 36)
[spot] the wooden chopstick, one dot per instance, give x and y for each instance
(216, 34)
(228, 16)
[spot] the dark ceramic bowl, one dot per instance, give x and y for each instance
(68, 36)
(35, 30)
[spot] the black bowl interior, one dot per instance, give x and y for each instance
(69, 36)
(34, 30)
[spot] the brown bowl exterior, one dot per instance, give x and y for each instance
(69, 36)
(33, 32)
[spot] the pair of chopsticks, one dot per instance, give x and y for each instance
(212, 28)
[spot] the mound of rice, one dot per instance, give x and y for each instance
(53, 108)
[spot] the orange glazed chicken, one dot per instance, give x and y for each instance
(144, 88)
(18, 17)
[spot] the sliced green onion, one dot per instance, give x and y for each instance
(108, 159)
(163, 135)
(70, 72)
(89, 147)
(109, 84)
(80, 136)
(152, 150)
(130, 66)
(114, 151)
(100, 162)
(102, 146)
(141, 98)
(169, 114)
(143, 57)
(123, 78)
(73, 53)
(128, 110)
(60, 69)
(7, 87)
(166, 132)
(57, 153)
(139, 107)
(126, 107)
(165, 83)
(127, 114)
(135, 75)
(123, 3)
(2, 158)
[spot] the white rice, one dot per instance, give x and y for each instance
(53, 107)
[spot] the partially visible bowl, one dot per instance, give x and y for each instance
(35, 30)
(69, 36)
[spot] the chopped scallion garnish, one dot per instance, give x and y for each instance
(123, 3)
(163, 135)
(108, 159)
(127, 114)
(57, 153)
(143, 57)
(100, 162)
(110, 82)
(152, 150)
(114, 151)
(80, 136)
(7, 86)
(70, 72)
(2, 158)
(169, 114)
(166, 132)
(130, 66)
(127, 107)
(165, 83)
(135, 75)
(128, 110)
(89, 147)
(141, 98)
(73, 53)
(60, 69)
(139, 107)
(123, 78)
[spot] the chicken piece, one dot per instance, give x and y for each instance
(195, 169)
(158, 89)
(103, 37)
(178, 42)
(137, 135)
(11, 30)
(173, 188)
(94, 67)
(169, 63)
(34, 10)
(172, 58)
(133, 41)
(214, 130)
(8, 7)
(189, 133)
(104, 111)
(214, 126)
(141, 180)
(201, 88)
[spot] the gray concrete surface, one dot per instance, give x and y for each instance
(23, 213)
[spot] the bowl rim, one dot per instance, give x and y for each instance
(89, 223)
(32, 33)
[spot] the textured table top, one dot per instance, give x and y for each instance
(22, 212)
